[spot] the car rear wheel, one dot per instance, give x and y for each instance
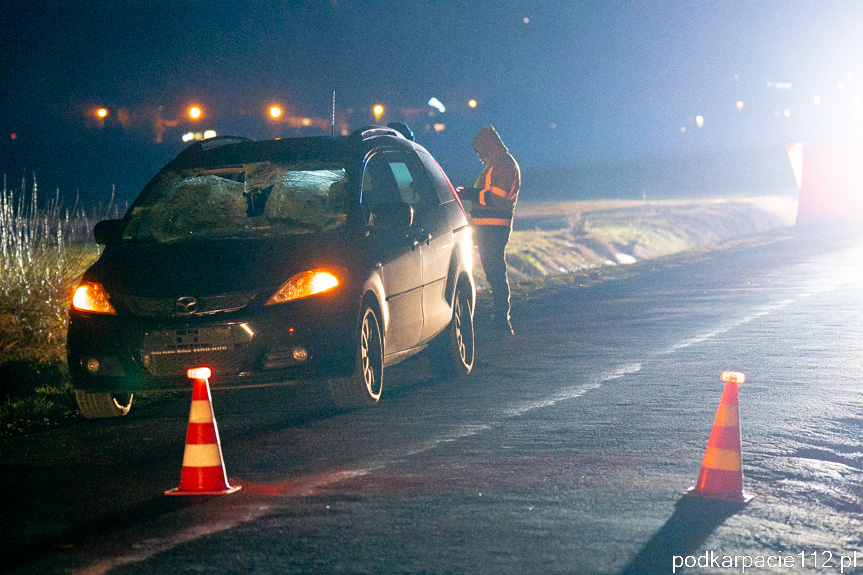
(364, 386)
(453, 353)
(100, 405)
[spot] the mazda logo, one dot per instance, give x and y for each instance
(187, 305)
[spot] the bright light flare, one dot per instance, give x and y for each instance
(378, 111)
(699, 121)
(275, 112)
(471, 103)
(737, 377)
(199, 373)
(437, 105)
(739, 104)
(102, 113)
(195, 113)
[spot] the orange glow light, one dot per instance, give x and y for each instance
(378, 111)
(199, 373)
(737, 377)
(195, 112)
(471, 103)
(90, 296)
(275, 112)
(102, 113)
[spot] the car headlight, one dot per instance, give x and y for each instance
(92, 297)
(305, 284)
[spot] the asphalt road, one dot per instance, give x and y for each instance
(568, 450)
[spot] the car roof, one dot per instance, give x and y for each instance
(232, 150)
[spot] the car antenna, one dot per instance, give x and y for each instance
(334, 114)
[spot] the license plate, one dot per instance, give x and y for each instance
(192, 340)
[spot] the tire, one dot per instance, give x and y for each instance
(365, 385)
(453, 352)
(100, 405)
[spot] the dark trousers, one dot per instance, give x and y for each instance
(491, 241)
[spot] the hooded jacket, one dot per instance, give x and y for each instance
(495, 192)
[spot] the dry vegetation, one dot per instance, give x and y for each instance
(45, 246)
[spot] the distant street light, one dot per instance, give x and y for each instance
(437, 105)
(275, 112)
(378, 111)
(471, 103)
(195, 113)
(102, 113)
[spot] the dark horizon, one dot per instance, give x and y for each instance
(577, 86)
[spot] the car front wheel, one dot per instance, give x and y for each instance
(453, 353)
(364, 386)
(100, 405)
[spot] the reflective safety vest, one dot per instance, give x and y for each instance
(496, 205)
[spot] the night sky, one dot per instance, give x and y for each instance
(565, 83)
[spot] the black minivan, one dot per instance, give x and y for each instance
(271, 261)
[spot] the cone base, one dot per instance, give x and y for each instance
(741, 497)
(227, 490)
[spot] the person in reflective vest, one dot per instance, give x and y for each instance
(493, 198)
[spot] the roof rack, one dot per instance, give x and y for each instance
(200, 146)
(215, 142)
(376, 131)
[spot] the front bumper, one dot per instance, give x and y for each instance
(278, 345)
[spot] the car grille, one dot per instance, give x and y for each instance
(173, 307)
(224, 349)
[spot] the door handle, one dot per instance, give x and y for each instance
(422, 237)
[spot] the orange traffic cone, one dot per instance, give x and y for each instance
(721, 474)
(203, 469)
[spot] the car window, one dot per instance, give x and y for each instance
(394, 177)
(412, 181)
(442, 185)
(379, 185)
(247, 200)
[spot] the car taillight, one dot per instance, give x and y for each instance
(92, 297)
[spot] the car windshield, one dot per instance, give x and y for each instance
(248, 200)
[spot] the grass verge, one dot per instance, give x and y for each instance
(45, 246)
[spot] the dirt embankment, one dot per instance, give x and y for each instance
(551, 238)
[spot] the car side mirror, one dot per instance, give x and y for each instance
(108, 232)
(392, 215)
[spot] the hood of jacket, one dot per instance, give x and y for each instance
(488, 143)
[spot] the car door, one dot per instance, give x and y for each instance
(399, 254)
(434, 236)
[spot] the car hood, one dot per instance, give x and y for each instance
(215, 266)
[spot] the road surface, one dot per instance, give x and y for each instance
(568, 450)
